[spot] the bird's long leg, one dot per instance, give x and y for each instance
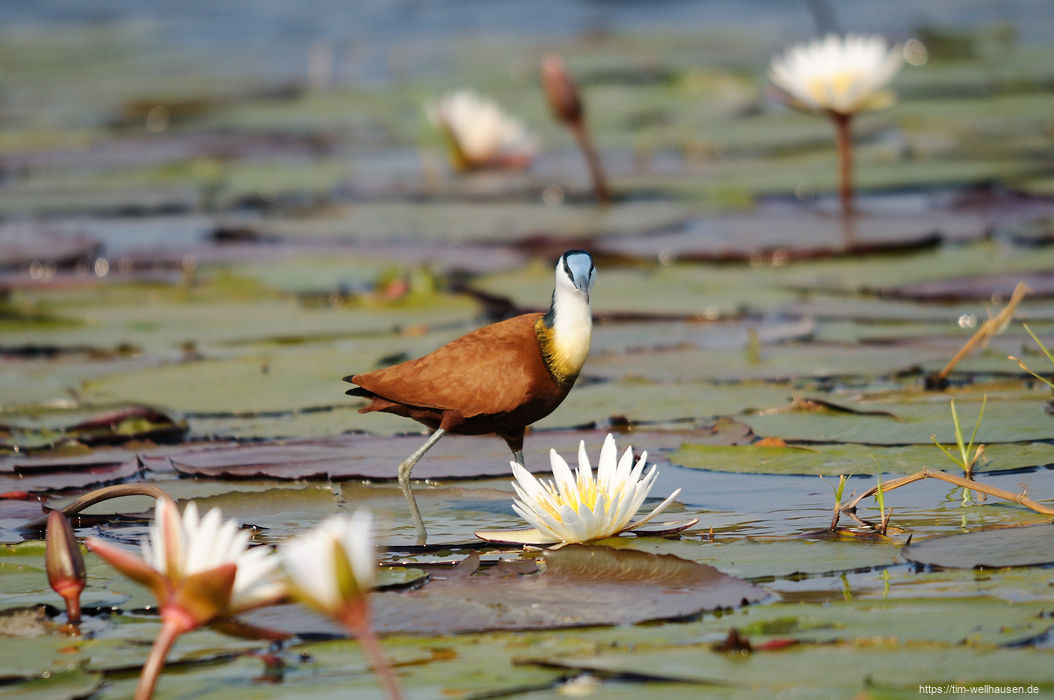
(404, 482)
(517, 457)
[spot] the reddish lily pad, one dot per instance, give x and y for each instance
(367, 457)
(20, 247)
(784, 233)
(984, 288)
(54, 473)
(580, 586)
(97, 428)
(1030, 545)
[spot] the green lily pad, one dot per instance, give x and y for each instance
(646, 402)
(848, 458)
(846, 669)
(332, 669)
(997, 547)
(223, 310)
(762, 560)
(1006, 420)
(57, 685)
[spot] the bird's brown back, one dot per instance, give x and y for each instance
(493, 370)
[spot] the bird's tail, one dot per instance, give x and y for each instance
(357, 390)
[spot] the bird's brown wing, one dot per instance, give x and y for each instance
(489, 371)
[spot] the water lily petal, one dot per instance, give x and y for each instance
(334, 565)
(565, 482)
(170, 543)
(480, 133)
(358, 543)
(658, 509)
(256, 584)
(835, 73)
(585, 470)
(304, 562)
(204, 596)
(581, 509)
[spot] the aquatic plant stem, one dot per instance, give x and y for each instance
(73, 609)
(989, 329)
(596, 170)
(357, 621)
(155, 663)
(97, 496)
(843, 140)
(888, 486)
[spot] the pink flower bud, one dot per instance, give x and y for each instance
(64, 564)
(561, 91)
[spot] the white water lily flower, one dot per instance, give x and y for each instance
(578, 508)
(843, 75)
(198, 568)
(481, 134)
(202, 544)
(333, 566)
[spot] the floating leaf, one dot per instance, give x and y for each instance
(580, 586)
(983, 288)
(850, 458)
(1030, 545)
(847, 668)
(55, 473)
(21, 247)
(792, 234)
(47, 429)
(58, 685)
(366, 457)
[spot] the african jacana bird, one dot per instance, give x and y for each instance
(498, 379)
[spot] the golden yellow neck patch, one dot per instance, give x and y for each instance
(562, 365)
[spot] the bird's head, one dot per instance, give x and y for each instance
(575, 274)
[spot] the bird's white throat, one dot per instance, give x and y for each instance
(572, 329)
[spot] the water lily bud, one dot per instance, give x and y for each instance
(64, 564)
(332, 567)
(561, 91)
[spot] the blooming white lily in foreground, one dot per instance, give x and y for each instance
(332, 569)
(842, 77)
(578, 508)
(198, 569)
(480, 133)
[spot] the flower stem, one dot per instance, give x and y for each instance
(170, 631)
(596, 171)
(359, 624)
(73, 608)
(97, 496)
(844, 142)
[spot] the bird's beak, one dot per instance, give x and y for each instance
(583, 286)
